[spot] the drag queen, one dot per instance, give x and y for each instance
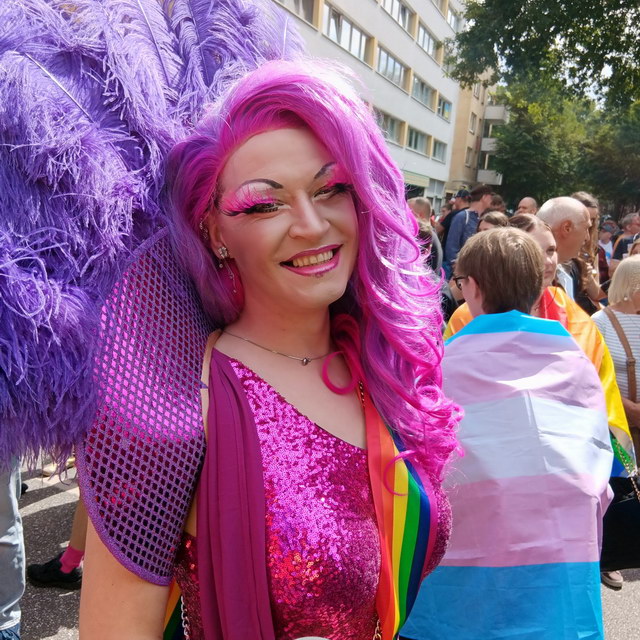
(274, 436)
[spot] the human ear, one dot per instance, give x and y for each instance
(216, 241)
(473, 297)
(566, 227)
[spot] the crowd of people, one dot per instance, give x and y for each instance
(320, 410)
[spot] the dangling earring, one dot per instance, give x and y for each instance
(223, 262)
(204, 231)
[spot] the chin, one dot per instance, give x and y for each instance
(321, 298)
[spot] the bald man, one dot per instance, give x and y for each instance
(527, 205)
(569, 221)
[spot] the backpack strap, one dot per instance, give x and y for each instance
(631, 361)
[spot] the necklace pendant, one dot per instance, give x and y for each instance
(305, 362)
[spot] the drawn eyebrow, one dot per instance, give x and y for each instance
(276, 185)
(324, 170)
(271, 183)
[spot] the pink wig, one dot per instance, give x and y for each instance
(394, 338)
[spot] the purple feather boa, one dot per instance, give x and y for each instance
(93, 94)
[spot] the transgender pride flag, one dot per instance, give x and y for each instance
(528, 496)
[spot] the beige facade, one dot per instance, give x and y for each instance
(473, 141)
(467, 138)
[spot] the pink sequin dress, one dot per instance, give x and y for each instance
(323, 548)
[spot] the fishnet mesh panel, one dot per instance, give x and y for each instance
(140, 461)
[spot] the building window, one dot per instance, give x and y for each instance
(390, 126)
(473, 123)
(345, 33)
(476, 90)
(417, 140)
(302, 8)
(439, 151)
(423, 92)
(440, 4)
(468, 158)
(453, 19)
(391, 68)
(399, 12)
(427, 41)
(435, 191)
(444, 108)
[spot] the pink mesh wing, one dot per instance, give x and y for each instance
(139, 463)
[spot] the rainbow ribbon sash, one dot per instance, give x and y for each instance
(407, 522)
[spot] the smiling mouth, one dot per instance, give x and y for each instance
(307, 261)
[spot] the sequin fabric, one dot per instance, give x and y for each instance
(323, 550)
(187, 568)
(138, 464)
(444, 526)
(187, 578)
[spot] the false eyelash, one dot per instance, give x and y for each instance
(336, 187)
(248, 204)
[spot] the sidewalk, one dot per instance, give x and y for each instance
(47, 511)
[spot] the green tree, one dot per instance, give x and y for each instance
(611, 163)
(539, 151)
(586, 43)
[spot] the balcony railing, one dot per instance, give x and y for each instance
(496, 114)
(486, 176)
(489, 144)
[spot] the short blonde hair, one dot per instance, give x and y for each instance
(507, 265)
(626, 280)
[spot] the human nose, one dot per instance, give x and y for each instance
(307, 220)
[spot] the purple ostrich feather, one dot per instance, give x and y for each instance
(93, 94)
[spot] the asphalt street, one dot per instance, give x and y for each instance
(47, 511)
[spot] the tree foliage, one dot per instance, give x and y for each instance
(611, 162)
(539, 151)
(555, 143)
(586, 43)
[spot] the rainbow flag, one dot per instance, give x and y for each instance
(173, 629)
(407, 522)
(528, 496)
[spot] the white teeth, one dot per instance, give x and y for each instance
(305, 261)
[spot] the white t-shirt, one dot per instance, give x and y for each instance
(608, 249)
(631, 326)
(565, 280)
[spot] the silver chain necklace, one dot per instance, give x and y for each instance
(304, 361)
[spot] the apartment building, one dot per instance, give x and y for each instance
(495, 115)
(474, 143)
(396, 48)
(468, 130)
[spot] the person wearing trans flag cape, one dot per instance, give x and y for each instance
(529, 494)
